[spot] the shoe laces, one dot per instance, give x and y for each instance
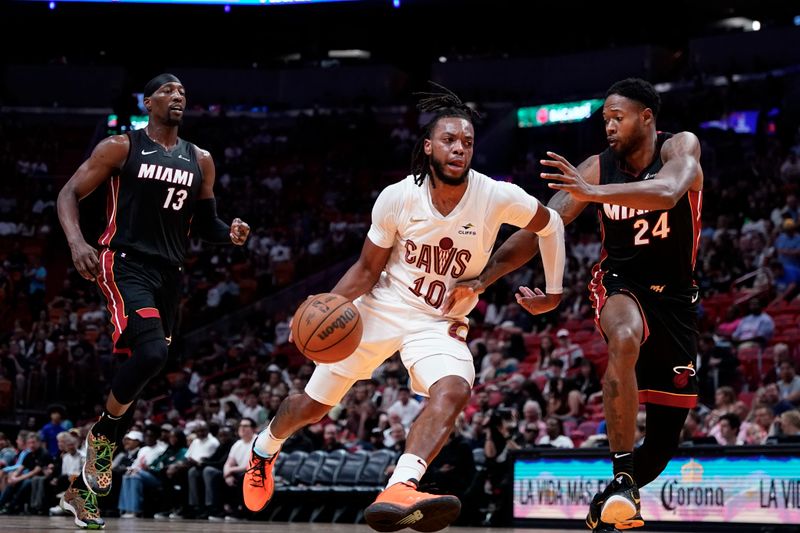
(258, 470)
(104, 453)
(89, 503)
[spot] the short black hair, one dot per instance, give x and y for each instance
(733, 420)
(640, 90)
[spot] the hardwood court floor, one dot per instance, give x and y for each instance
(27, 524)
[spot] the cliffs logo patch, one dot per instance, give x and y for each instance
(683, 375)
(467, 229)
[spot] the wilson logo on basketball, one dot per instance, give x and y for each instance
(339, 323)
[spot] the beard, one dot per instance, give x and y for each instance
(172, 122)
(438, 173)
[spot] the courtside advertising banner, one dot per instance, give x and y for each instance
(754, 488)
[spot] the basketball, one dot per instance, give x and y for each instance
(327, 328)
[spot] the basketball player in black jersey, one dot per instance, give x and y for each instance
(648, 187)
(160, 189)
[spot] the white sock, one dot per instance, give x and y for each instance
(409, 466)
(268, 444)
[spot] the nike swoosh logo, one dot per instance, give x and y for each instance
(148, 153)
(695, 297)
(184, 158)
(620, 456)
(418, 219)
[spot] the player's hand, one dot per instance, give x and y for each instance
(569, 180)
(461, 294)
(86, 260)
(536, 302)
(239, 231)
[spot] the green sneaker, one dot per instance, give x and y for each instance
(82, 504)
(97, 468)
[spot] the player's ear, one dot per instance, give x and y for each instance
(427, 146)
(146, 102)
(647, 116)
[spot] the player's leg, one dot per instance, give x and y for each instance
(662, 437)
(324, 390)
(326, 387)
(624, 326)
(447, 381)
(129, 289)
(667, 382)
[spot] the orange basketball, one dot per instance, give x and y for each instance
(327, 328)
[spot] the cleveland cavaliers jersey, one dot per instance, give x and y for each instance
(655, 248)
(151, 200)
(432, 252)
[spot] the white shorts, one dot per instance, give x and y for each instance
(431, 348)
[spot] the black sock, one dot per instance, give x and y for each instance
(107, 425)
(623, 462)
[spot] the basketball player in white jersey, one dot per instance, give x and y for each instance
(426, 235)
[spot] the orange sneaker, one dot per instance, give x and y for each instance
(258, 484)
(402, 505)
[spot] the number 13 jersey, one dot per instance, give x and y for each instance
(432, 252)
(151, 200)
(653, 248)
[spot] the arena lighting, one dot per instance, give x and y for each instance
(544, 115)
(349, 54)
(197, 2)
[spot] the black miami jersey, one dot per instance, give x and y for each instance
(151, 200)
(657, 248)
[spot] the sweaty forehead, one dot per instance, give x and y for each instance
(616, 102)
(455, 126)
(171, 85)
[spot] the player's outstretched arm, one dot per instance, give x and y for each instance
(523, 245)
(206, 224)
(549, 227)
(106, 159)
(681, 172)
(364, 274)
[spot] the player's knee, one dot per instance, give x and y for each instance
(451, 392)
(152, 354)
(623, 344)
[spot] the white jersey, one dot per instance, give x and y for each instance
(432, 252)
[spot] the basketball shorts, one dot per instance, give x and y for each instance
(431, 348)
(666, 369)
(136, 290)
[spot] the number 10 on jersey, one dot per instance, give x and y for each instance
(434, 295)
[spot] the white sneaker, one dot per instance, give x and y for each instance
(231, 518)
(161, 516)
(175, 516)
(213, 518)
(128, 515)
(56, 510)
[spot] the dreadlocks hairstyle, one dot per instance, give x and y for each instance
(640, 90)
(442, 104)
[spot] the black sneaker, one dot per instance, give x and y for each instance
(620, 503)
(593, 521)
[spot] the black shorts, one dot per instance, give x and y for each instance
(136, 290)
(666, 369)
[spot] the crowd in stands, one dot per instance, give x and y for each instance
(306, 192)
